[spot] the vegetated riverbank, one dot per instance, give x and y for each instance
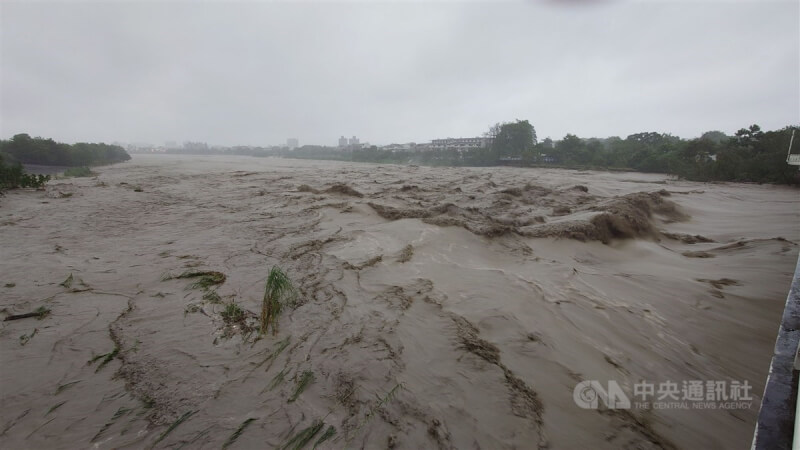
(46, 152)
(31, 162)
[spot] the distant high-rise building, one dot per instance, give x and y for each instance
(292, 143)
(354, 141)
(342, 141)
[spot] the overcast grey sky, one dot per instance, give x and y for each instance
(256, 73)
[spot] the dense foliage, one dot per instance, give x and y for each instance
(751, 155)
(48, 152)
(511, 140)
(13, 176)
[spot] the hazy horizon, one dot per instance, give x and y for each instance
(259, 73)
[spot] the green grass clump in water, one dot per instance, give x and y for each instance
(306, 378)
(302, 438)
(232, 313)
(237, 433)
(279, 289)
(68, 282)
(42, 312)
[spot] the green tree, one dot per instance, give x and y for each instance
(749, 136)
(513, 139)
(717, 137)
(28, 150)
(571, 150)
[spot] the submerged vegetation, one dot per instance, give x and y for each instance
(276, 380)
(278, 290)
(105, 358)
(119, 413)
(40, 313)
(375, 408)
(205, 279)
(25, 338)
(306, 378)
(232, 313)
(62, 387)
(212, 297)
(233, 437)
(329, 433)
(67, 283)
(174, 425)
(302, 438)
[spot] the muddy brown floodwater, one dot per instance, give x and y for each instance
(436, 307)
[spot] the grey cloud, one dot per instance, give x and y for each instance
(247, 73)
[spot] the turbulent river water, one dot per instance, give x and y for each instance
(435, 307)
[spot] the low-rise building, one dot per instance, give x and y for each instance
(460, 143)
(400, 147)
